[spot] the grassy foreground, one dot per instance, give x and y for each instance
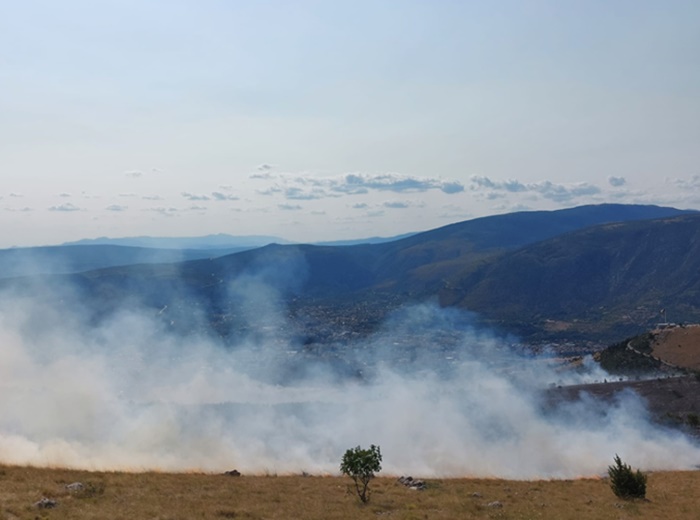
(166, 496)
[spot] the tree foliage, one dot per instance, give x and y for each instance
(626, 483)
(361, 465)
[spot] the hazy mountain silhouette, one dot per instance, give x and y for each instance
(218, 241)
(28, 261)
(586, 272)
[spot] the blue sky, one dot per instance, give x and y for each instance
(331, 119)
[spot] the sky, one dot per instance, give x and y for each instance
(324, 120)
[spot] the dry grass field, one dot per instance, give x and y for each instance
(166, 496)
(679, 346)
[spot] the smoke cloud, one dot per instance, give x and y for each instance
(439, 396)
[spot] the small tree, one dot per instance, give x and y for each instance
(626, 483)
(361, 465)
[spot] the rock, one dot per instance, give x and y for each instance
(476, 494)
(233, 473)
(75, 486)
(46, 503)
(495, 505)
(412, 483)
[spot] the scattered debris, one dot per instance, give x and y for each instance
(233, 473)
(412, 483)
(46, 503)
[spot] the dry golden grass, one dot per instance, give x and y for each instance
(164, 496)
(679, 346)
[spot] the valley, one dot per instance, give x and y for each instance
(497, 336)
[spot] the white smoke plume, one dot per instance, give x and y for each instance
(127, 394)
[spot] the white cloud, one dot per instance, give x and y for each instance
(262, 176)
(217, 195)
(67, 207)
(616, 182)
(546, 189)
(402, 204)
(289, 207)
(562, 193)
(361, 183)
(195, 197)
(270, 191)
(693, 183)
(166, 212)
(296, 193)
(304, 187)
(116, 207)
(396, 205)
(511, 185)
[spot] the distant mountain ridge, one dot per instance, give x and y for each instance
(221, 241)
(218, 241)
(101, 253)
(31, 261)
(586, 272)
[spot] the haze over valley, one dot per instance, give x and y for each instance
(253, 235)
(274, 359)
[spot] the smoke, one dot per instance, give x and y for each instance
(441, 397)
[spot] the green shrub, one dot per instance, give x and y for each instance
(361, 465)
(626, 483)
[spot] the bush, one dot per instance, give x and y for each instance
(361, 465)
(626, 483)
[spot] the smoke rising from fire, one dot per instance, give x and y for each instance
(439, 396)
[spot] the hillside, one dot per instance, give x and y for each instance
(679, 346)
(611, 280)
(557, 275)
(671, 495)
(424, 261)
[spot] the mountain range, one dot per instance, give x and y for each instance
(595, 273)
